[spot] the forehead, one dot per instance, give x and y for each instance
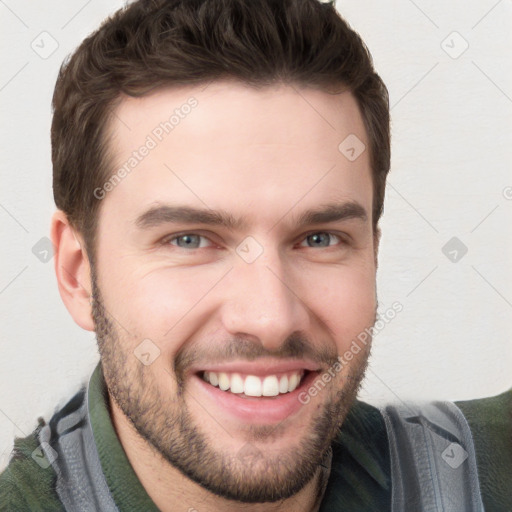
(229, 143)
(240, 112)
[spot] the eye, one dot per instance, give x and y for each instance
(196, 241)
(321, 239)
(188, 241)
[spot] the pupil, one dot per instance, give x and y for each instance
(318, 238)
(188, 240)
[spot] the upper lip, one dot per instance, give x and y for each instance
(260, 367)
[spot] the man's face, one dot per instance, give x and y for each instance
(273, 297)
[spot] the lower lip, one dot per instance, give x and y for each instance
(256, 409)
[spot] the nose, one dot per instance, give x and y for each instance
(263, 301)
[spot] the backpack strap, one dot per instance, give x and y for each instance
(68, 443)
(433, 463)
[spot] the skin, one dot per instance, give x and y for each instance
(264, 155)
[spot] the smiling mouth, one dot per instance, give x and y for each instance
(246, 385)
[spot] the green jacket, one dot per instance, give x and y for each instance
(360, 472)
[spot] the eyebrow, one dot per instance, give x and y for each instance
(165, 214)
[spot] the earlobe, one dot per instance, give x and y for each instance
(72, 270)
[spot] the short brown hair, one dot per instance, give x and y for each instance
(152, 44)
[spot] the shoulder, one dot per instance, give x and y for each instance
(490, 421)
(29, 480)
(494, 412)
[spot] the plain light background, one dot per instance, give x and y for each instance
(447, 67)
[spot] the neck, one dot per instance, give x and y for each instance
(169, 488)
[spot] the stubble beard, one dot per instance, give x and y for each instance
(163, 421)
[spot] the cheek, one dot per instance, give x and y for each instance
(346, 303)
(160, 304)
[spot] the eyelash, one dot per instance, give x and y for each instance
(168, 240)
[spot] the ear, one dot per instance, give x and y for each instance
(72, 270)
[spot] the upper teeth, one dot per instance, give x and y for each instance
(251, 385)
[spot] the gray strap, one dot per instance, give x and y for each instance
(81, 484)
(433, 463)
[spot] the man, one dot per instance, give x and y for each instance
(219, 173)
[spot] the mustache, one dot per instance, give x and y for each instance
(296, 346)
